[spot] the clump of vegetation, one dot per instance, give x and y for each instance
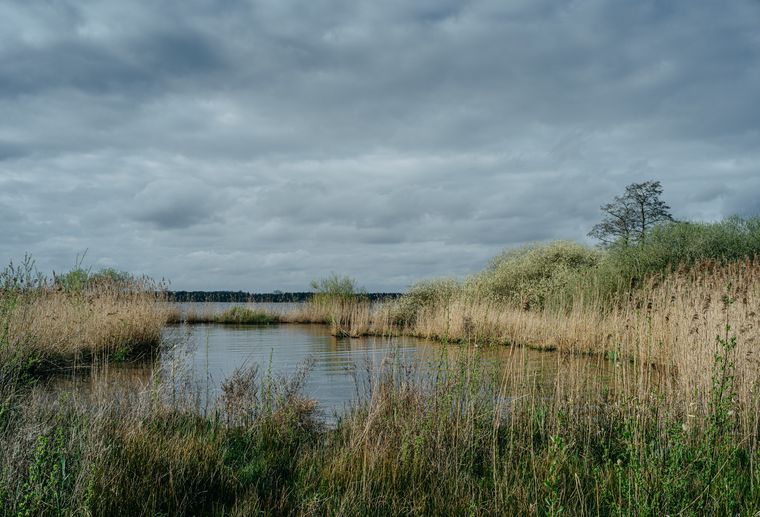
(424, 296)
(47, 324)
(199, 313)
(246, 316)
(528, 277)
(339, 302)
(80, 279)
(335, 287)
(670, 246)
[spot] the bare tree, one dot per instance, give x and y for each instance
(629, 217)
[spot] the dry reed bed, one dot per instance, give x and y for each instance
(346, 316)
(205, 313)
(51, 326)
(673, 321)
(243, 314)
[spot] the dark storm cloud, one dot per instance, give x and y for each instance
(175, 204)
(257, 145)
(10, 151)
(95, 64)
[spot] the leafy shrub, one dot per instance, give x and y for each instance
(334, 295)
(683, 244)
(335, 286)
(426, 294)
(79, 280)
(561, 273)
(528, 276)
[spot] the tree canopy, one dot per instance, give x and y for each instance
(630, 216)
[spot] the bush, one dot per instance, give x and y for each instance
(560, 274)
(79, 280)
(529, 276)
(426, 294)
(684, 244)
(333, 294)
(335, 287)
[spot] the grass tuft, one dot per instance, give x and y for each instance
(246, 316)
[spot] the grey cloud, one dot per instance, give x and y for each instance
(175, 204)
(10, 151)
(744, 201)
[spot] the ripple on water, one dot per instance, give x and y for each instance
(203, 356)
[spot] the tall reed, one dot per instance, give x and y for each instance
(48, 324)
(338, 303)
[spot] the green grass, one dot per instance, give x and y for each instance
(246, 316)
(528, 277)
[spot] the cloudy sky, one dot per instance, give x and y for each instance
(256, 145)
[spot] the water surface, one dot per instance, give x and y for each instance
(199, 358)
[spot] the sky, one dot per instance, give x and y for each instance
(257, 145)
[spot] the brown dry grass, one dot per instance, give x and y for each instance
(53, 327)
(197, 313)
(671, 322)
(347, 316)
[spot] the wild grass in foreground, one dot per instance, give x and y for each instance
(460, 438)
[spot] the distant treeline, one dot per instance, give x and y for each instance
(243, 297)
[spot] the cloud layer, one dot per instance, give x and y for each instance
(256, 145)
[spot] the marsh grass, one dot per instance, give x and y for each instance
(339, 303)
(246, 316)
(236, 315)
(197, 313)
(352, 316)
(670, 323)
(48, 325)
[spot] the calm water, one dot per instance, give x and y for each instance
(201, 357)
(209, 354)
